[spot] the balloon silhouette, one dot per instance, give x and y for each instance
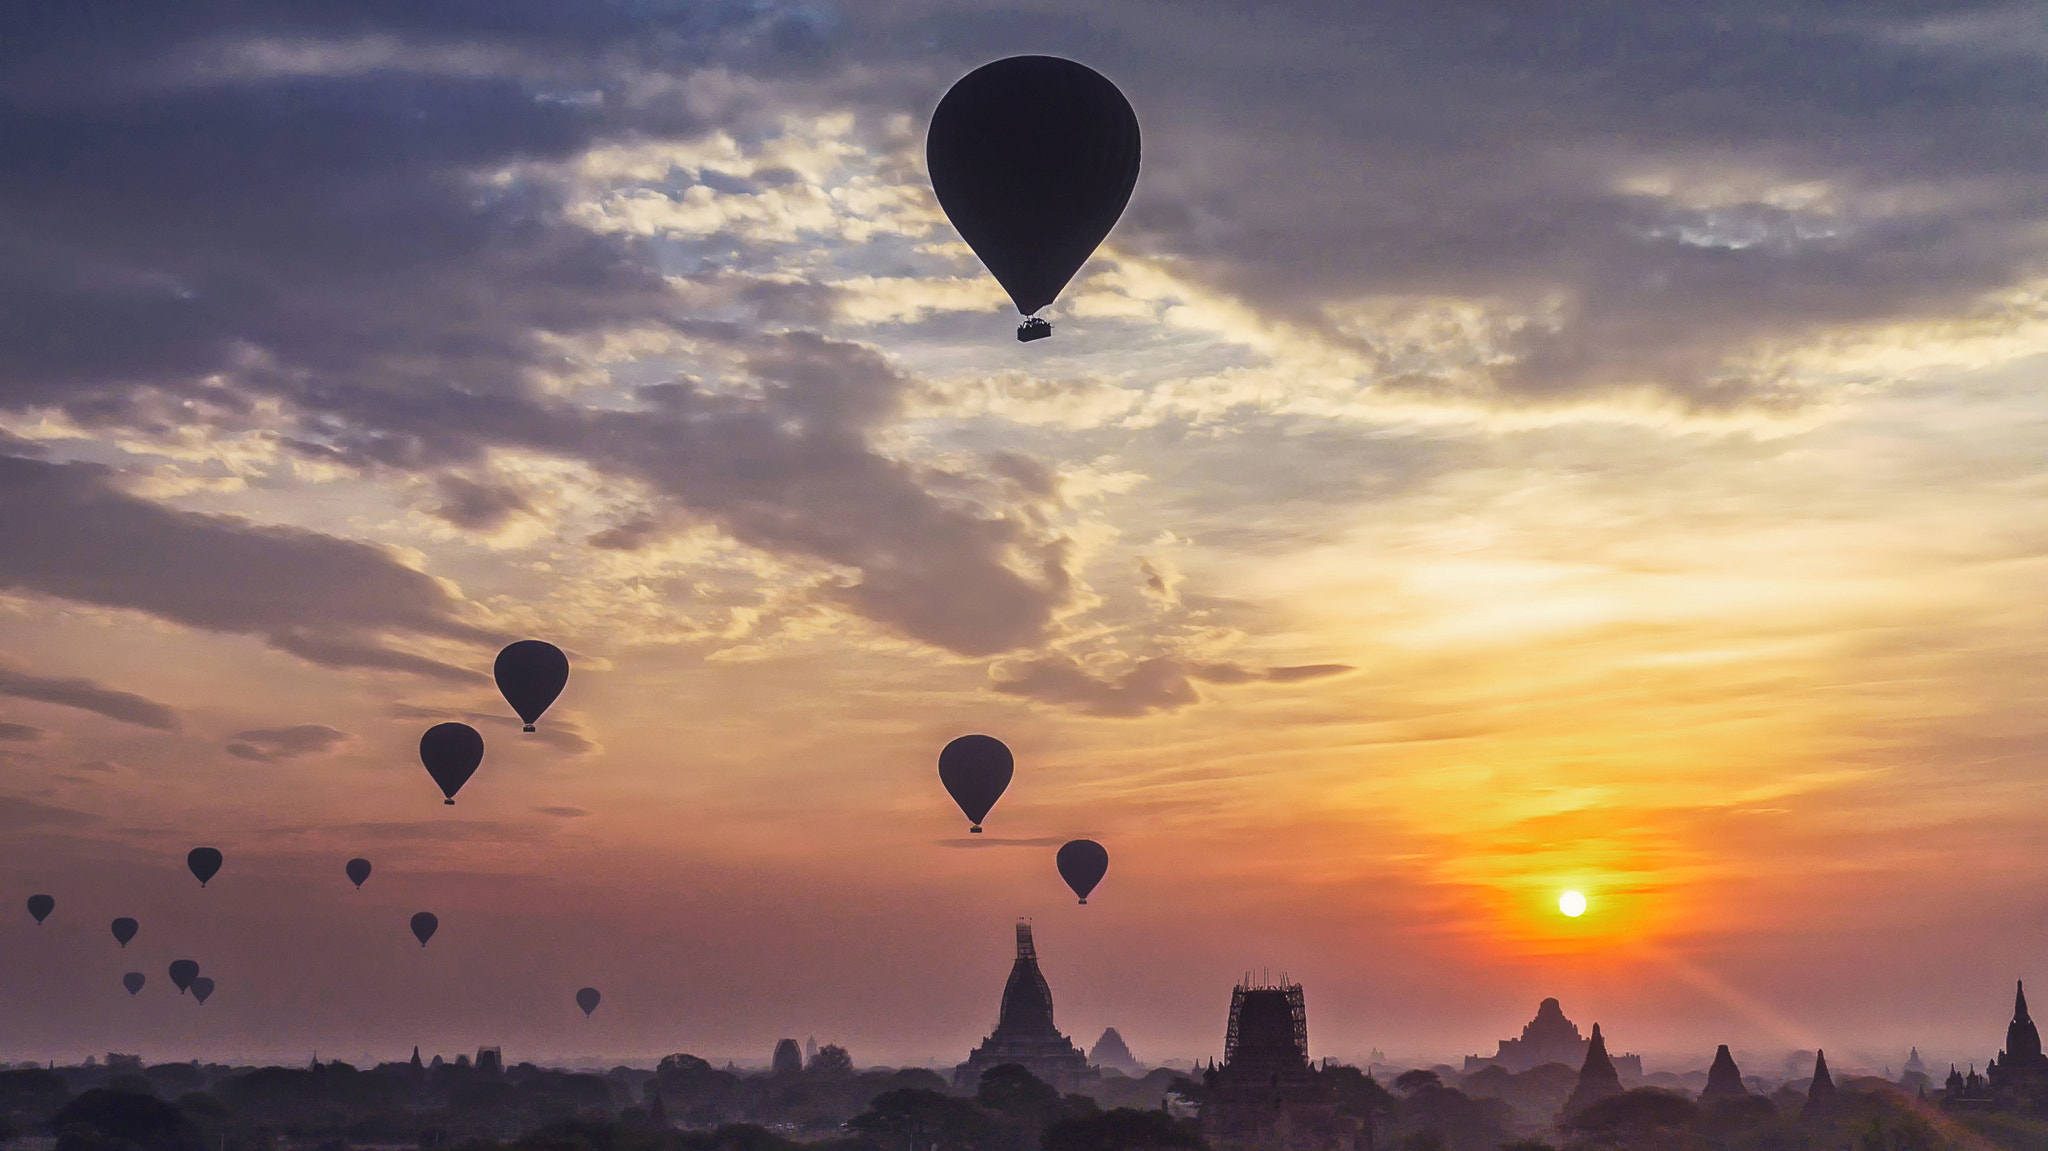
(183, 972)
(975, 770)
(124, 930)
(1082, 864)
(588, 999)
(41, 906)
(132, 981)
(201, 988)
(204, 862)
(1033, 159)
(530, 674)
(424, 925)
(451, 752)
(358, 870)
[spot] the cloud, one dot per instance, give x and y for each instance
(275, 745)
(20, 733)
(73, 535)
(85, 695)
(1162, 683)
(27, 815)
(997, 841)
(561, 734)
(478, 506)
(563, 812)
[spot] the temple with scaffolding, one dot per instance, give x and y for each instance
(1024, 1033)
(1267, 1096)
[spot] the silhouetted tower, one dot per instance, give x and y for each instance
(1024, 1032)
(416, 1066)
(1822, 1093)
(1597, 1077)
(789, 1059)
(490, 1061)
(1112, 1051)
(1724, 1080)
(1266, 1096)
(810, 1049)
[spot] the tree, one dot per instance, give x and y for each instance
(101, 1118)
(831, 1059)
(1645, 1117)
(1123, 1129)
(1011, 1089)
(916, 1119)
(1408, 1082)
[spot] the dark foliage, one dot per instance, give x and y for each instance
(1123, 1129)
(104, 1120)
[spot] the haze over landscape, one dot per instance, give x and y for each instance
(1502, 450)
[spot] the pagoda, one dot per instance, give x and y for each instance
(1024, 1032)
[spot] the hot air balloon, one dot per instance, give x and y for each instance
(975, 770)
(451, 752)
(1033, 159)
(41, 906)
(125, 929)
(132, 981)
(530, 674)
(183, 972)
(201, 988)
(1082, 864)
(588, 999)
(424, 925)
(358, 870)
(204, 862)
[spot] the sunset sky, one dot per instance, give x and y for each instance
(1503, 449)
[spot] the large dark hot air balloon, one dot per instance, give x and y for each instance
(358, 870)
(451, 752)
(125, 929)
(1082, 863)
(424, 925)
(132, 981)
(975, 770)
(530, 674)
(41, 906)
(183, 972)
(204, 862)
(1033, 159)
(201, 988)
(588, 999)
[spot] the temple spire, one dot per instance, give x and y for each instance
(1597, 1077)
(2022, 1038)
(1822, 1092)
(1724, 1080)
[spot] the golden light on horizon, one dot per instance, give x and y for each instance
(1572, 903)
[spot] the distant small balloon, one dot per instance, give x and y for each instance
(531, 674)
(451, 753)
(41, 906)
(204, 862)
(424, 925)
(358, 870)
(132, 981)
(1082, 863)
(183, 972)
(588, 999)
(976, 769)
(202, 987)
(125, 929)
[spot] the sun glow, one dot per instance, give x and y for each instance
(1572, 904)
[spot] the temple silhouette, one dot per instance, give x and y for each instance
(1550, 1038)
(1024, 1032)
(1267, 1096)
(2017, 1080)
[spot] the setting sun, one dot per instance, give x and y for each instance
(1572, 904)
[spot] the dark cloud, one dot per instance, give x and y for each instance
(274, 745)
(84, 694)
(560, 734)
(27, 815)
(1163, 683)
(73, 535)
(479, 506)
(563, 812)
(997, 841)
(20, 733)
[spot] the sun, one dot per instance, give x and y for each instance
(1572, 904)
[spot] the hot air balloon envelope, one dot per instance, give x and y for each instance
(204, 862)
(588, 999)
(358, 870)
(201, 988)
(975, 770)
(183, 972)
(125, 929)
(1033, 159)
(132, 981)
(1082, 863)
(41, 906)
(530, 674)
(424, 925)
(451, 753)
